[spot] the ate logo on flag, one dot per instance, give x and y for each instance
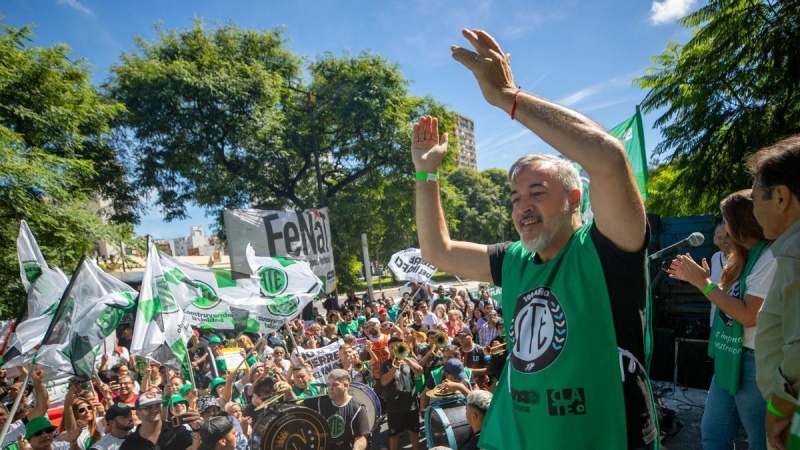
(273, 280)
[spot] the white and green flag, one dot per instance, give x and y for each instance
(160, 331)
(44, 286)
(88, 313)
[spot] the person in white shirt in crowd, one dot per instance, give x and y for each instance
(718, 260)
(120, 424)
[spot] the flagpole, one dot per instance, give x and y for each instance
(189, 366)
(56, 315)
(14, 408)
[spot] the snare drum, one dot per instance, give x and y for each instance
(446, 423)
(367, 397)
(287, 426)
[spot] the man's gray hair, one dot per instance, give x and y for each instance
(339, 375)
(480, 400)
(565, 170)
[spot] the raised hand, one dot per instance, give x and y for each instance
(683, 267)
(427, 150)
(490, 66)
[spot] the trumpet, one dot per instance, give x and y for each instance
(358, 365)
(441, 339)
(495, 349)
(400, 352)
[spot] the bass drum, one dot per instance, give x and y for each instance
(285, 426)
(367, 397)
(446, 424)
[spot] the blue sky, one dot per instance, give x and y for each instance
(581, 53)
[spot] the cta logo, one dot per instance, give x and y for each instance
(566, 402)
(538, 330)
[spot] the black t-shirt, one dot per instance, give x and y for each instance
(171, 438)
(400, 394)
(345, 422)
(626, 276)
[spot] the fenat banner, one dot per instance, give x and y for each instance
(303, 235)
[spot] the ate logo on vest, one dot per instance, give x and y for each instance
(538, 330)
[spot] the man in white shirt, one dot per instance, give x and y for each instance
(120, 422)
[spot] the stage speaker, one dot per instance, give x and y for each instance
(663, 363)
(693, 367)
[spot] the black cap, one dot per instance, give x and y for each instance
(213, 430)
(117, 410)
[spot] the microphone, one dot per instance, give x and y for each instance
(693, 240)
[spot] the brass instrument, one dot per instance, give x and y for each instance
(358, 365)
(495, 349)
(441, 339)
(277, 396)
(400, 352)
(440, 391)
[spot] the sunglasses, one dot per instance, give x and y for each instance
(41, 432)
(83, 410)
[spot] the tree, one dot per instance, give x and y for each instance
(732, 89)
(482, 215)
(227, 118)
(55, 159)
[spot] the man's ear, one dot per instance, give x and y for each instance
(782, 198)
(575, 199)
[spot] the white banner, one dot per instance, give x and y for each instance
(322, 360)
(303, 235)
(408, 265)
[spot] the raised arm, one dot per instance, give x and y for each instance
(437, 248)
(616, 203)
(42, 397)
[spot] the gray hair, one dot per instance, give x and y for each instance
(339, 375)
(564, 169)
(480, 400)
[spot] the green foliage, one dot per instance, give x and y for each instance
(55, 160)
(482, 212)
(662, 198)
(732, 89)
(228, 118)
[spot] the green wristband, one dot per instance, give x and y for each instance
(428, 176)
(709, 288)
(774, 411)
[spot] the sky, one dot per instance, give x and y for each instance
(583, 54)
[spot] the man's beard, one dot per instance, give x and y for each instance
(545, 238)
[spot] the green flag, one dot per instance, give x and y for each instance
(631, 133)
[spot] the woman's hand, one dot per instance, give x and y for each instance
(684, 268)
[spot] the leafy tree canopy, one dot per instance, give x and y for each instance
(55, 159)
(732, 89)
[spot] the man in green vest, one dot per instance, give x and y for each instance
(574, 295)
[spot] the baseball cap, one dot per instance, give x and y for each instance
(175, 399)
(205, 402)
(117, 410)
(464, 330)
(213, 430)
(382, 311)
(374, 320)
(499, 321)
(38, 424)
(216, 382)
(454, 367)
(214, 340)
(147, 399)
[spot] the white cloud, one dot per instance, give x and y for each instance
(667, 11)
(75, 4)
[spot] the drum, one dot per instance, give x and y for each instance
(367, 397)
(287, 426)
(446, 423)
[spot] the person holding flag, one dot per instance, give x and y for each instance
(574, 295)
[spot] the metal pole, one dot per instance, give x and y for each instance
(367, 265)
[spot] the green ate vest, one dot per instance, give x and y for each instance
(794, 431)
(561, 387)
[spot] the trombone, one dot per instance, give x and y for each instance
(400, 352)
(495, 349)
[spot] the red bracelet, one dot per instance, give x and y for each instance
(514, 107)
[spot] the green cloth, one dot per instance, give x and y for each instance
(561, 385)
(311, 392)
(392, 312)
(725, 343)
(794, 431)
(436, 374)
(345, 328)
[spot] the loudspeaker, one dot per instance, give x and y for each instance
(693, 367)
(663, 363)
